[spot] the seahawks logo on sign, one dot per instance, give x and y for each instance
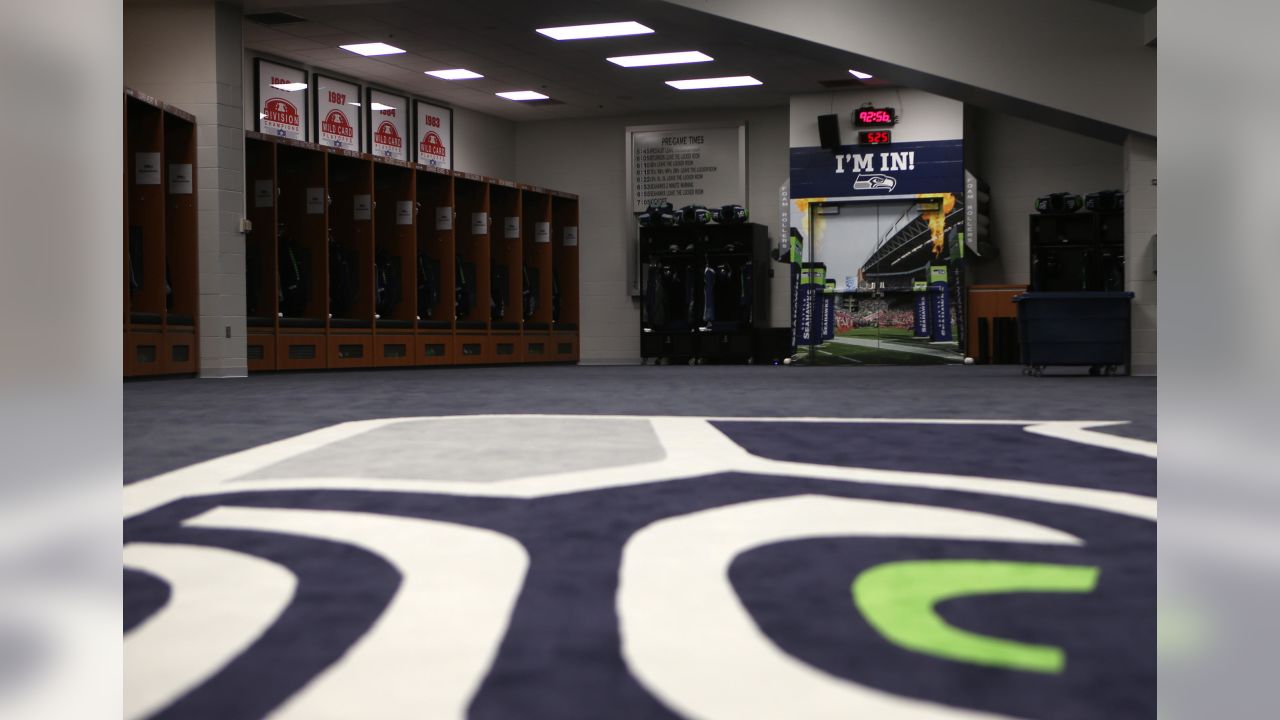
(874, 182)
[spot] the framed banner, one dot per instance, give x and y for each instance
(281, 98)
(337, 112)
(433, 134)
(388, 124)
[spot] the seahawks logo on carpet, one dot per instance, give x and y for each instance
(560, 567)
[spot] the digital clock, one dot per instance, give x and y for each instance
(874, 137)
(874, 117)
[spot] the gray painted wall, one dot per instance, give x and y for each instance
(1022, 160)
(588, 157)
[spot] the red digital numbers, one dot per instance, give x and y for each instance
(873, 117)
(875, 137)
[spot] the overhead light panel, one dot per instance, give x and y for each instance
(371, 49)
(860, 75)
(454, 74)
(522, 95)
(380, 106)
(708, 83)
(670, 58)
(584, 32)
(291, 87)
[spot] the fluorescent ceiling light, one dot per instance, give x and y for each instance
(583, 32)
(720, 82)
(371, 49)
(454, 74)
(860, 75)
(522, 95)
(671, 58)
(380, 106)
(291, 87)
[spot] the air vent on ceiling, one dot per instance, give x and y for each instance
(274, 18)
(841, 83)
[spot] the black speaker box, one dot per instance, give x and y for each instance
(829, 131)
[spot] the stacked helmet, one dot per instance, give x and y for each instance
(693, 215)
(658, 215)
(1104, 200)
(1061, 202)
(730, 214)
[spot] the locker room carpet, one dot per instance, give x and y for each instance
(686, 565)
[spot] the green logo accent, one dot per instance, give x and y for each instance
(898, 600)
(937, 273)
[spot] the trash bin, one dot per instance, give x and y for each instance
(1089, 329)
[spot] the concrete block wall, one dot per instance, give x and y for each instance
(189, 55)
(1140, 248)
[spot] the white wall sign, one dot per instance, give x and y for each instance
(338, 114)
(404, 212)
(180, 182)
(282, 100)
(693, 164)
(542, 232)
(264, 194)
(388, 124)
(146, 168)
(315, 201)
(433, 134)
(363, 207)
(688, 165)
(479, 223)
(571, 236)
(511, 228)
(444, 218)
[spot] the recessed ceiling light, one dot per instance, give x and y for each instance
(720, 82)
(380, 106)
(583, 32)
(454, 74)
(371, 49)
(860, 75)
(671, 58)
(290, 87)
(522, 95)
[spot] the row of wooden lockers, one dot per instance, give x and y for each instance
(301, 351)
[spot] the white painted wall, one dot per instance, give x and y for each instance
(1022, 160)
(484, 144)
(588, 157)
(922, 116)
(1084, 58)
(189, 55)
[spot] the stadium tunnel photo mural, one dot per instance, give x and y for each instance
(877, 246)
